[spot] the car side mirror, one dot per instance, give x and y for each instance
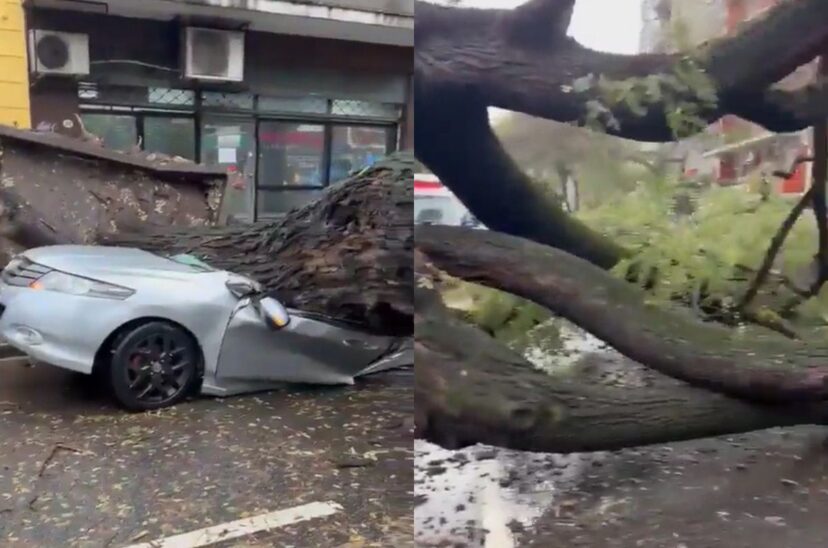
(242, 287)
(273, 313)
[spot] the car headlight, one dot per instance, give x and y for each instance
(62, 282)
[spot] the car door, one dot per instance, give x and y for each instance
(310, 349)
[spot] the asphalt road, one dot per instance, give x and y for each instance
(77, 472)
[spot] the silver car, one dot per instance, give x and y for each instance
(157, 329)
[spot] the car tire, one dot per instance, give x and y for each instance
(153, 365)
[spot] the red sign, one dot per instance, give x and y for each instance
(426, 185)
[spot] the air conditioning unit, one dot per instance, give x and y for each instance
(58, 52)
(214, 55)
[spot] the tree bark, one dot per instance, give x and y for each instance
(759, 368)
(523, 61)
(468, 158)
(346, 256)
(471, 389)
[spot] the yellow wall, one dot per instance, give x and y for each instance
(14, 71)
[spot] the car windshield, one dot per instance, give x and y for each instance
(192, 261)
(444, 210)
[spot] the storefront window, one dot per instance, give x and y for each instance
(291, 154)
(231, 144)
(118, 131)
(172, 136)
(356, 147)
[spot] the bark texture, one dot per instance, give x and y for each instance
(471, 389)
(347, 255)
(754, 367)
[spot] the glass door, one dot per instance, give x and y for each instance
(231, 144)
(292, 166)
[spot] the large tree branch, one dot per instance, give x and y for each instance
(757, 368)
(471, 389)
(781, 110)
(470, 160)
(469, 50)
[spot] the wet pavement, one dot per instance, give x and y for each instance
(760, 490)
(77, 472)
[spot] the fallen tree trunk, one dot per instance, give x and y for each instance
(347, 255)
(472, 389)
(757, 368)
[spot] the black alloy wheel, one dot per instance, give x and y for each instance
(154, 365)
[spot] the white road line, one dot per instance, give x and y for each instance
(244, 527)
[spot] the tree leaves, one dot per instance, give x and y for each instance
(725, 237)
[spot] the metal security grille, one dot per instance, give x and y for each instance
(137, 97)
(365, 109)
(171, 97)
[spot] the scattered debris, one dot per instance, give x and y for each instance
(55, 450)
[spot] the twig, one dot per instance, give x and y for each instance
(791, 172)
(53, 454)
(773, 250)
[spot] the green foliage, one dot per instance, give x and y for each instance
(685, 94)
(705, 252)
(508, 318)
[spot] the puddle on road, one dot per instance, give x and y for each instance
(480, 495)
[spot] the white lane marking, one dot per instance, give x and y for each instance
(244, 527)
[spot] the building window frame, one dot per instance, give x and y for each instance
(199, 110)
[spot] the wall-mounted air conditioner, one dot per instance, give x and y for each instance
(214, 54)
(58, 52)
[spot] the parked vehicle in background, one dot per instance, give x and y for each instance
(435, 204)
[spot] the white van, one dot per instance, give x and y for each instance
(436, 205)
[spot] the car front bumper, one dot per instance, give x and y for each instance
(54, 328)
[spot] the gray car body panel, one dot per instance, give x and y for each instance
(241, 353)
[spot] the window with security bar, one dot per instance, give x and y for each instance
(136, 97)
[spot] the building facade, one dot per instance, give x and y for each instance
(731, 149)
(288, 95)
(14, 71)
